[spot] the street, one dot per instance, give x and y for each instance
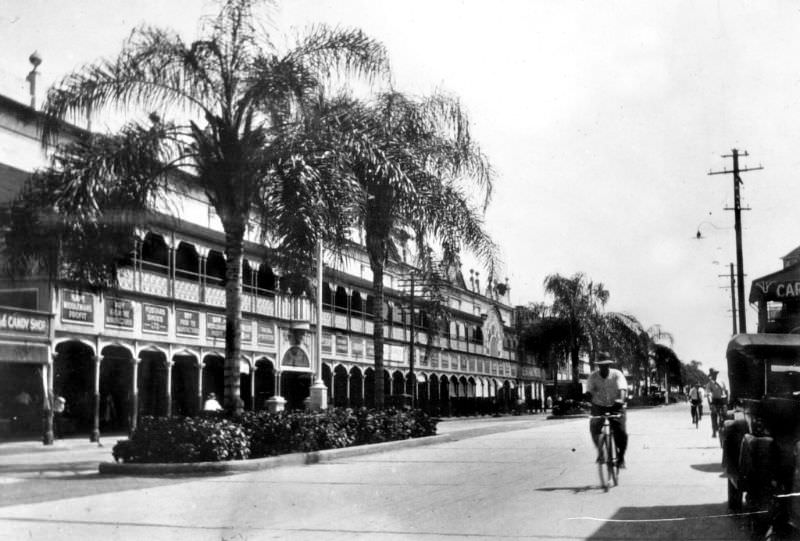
(538, 482)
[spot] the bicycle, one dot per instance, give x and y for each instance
(607, 464)
(697, 414)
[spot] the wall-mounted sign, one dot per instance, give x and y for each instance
(23, 322)
(266, 334)
(247, 332)
(78, 307)
(187, 322)
(119, 313)
(215, 327)
(155, 318)
(358, 347)
(327, 342)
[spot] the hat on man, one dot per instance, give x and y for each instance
(604, 358)
(712, 371)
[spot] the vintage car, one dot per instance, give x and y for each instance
(761, 439)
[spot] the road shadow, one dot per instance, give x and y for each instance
(574, 490)
(685, 522)
(713, 467)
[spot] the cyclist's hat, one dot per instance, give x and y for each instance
(604, 358)
(712, 371)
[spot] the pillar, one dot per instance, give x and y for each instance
(134, 396)
(95, 436)
(47, 401)
(170, 364)
(200, 384)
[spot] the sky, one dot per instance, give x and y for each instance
(601, 119)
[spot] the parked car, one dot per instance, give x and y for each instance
(761, 438)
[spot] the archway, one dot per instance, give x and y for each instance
(185, 392)
(295, 388)
(152, 386)
(214, 376)
(356, 388)
(398, 383)
(245, 383)
(340, 387)
(369, 388)
(117, 398)
(73, 379)
(265, 382)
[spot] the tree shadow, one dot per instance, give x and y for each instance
(686, 522)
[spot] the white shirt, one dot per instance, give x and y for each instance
(212, 405)
(696, 393)
(606, 390)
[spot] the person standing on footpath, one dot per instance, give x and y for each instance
(717, 395)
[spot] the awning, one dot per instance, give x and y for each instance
(778, 286)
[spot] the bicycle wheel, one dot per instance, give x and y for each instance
(611, 459)
(602, 461)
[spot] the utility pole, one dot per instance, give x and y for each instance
(737, 208)
(732, 276)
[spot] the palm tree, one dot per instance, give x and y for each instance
(245, 131)
(579, 301)
(415, 161)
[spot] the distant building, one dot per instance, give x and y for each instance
(778, 297)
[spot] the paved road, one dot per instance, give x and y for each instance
(538, 482)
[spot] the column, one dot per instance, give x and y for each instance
(47, 401)
(134, 395)
(95, 436)
(253, 384)
(170, 363)
(202, 253)
(200, 383)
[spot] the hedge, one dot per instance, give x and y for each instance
(217, 437)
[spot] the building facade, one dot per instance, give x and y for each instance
(154, 345)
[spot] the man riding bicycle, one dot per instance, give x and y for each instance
(696, 395)
(717, 401)
(608, 389)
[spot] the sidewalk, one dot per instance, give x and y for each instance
(79, 456)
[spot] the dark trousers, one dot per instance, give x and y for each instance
(718, 410)
(697, 409)
(617, 427)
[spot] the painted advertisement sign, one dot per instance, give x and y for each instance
(119, 313)
(155, 318)
(77, 307)
(187, 322)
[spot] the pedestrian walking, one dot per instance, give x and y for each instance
(548, 403)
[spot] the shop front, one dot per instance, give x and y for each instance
(24, 353)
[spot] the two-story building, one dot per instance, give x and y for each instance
(155, 344)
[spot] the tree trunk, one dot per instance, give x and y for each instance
(234, 250)
(377, 331)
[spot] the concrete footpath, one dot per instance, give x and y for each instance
(79, 456)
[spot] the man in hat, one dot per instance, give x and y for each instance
(717, 395)
(608, 389)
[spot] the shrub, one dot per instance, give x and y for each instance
(183, 439)
(215, 437)
(287, 432)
